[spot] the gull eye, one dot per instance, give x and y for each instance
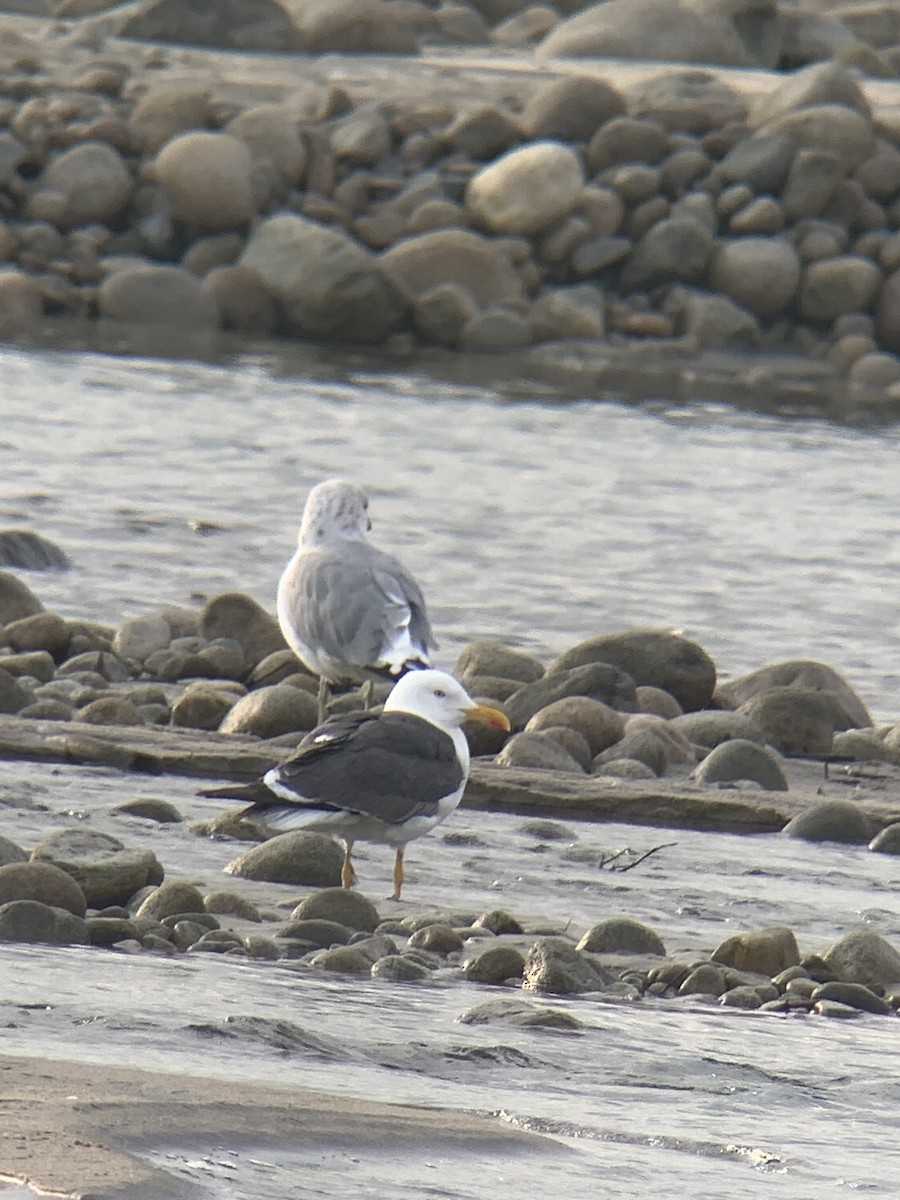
(440, 694)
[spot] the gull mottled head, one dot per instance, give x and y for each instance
(335, 509)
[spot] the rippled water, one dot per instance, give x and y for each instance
(538, 524)
(670, 1098)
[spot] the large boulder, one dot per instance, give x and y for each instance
(327, 285)
(847, 709)
(834, 286)
(737, 33)
(651, 657)
(229, 24)
(674, 250)
(239, 617)
(106, 871)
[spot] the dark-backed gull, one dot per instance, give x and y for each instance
(386, 778)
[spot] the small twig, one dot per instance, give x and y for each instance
(609, 860)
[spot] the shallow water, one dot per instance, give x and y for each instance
(538, 524)
(711, 1102)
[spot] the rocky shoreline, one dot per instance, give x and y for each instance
(591, 223)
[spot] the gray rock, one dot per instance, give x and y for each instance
(399, 968)
(600, 725)
(674, 250)
(856, 995)
(477, 264)
(707, 979)
(101, 662)
(811, 183)
(202, 706)
(94, 181)
(229, 24)
(878, 371)
(482, 132)
(745, 995)
(572, 741)
(759, 273)
(495, 331)
(570, 312)
(23, 880)
(438, 938)
(138, 637)
(739, 759)
(33, 922)
(272, 711)
(833, 128)
(831, 287)
(299, 857)
(795, 720)
(763, 952)
(571, 108)
(516, 1012)
(352, 909)
(111, 710)
(327, 285)
(863, 956)
(655, 657)
(13, 696)
(598, 680)
(693, 101)
(887, 841)
(26, 550)
(151, 808)
(232, 903)
(554, 965)
(848, 710)
(43, 631)
(821, 83)
(107, 931)
(107, 872)
(16, 599)
(762, 163)
(622, 935)
(711, 321)
(11, 852)
(237, 616)
(498, 921)
(624, 140)
(863, 745)
(636, 745)
(317, 931)
(532, 749)
(494, 964)
(711, 727)
(172, 897)
(358, 958)
(831, 821)
(624, 768)
(157, 295)
(441, 313)
(669, 30)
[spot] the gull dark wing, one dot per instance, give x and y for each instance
(392, 767)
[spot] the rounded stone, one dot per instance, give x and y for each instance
(765, 952)
(761, 274)
(44, 882)
(172, 897)
(493, 658)
(737, 760)
(32, 922)
(887, 841)
(831, 287)
(622, 935)
(272, 711)
(94, 181)
(327, 285)
(207, 178)
(600, 725)
(138, 637)
(202, 706)
(17, 600)
(106, 871)
(335, 904)
(864, 956)
(399, 968)
(299, 857)
(239, 617)
(795, 720)
(43, 631)
(494, 965)
(158, 295)
(439, 939)
(831, 821)
(461, 257)
(571, 108)
(526, 190)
